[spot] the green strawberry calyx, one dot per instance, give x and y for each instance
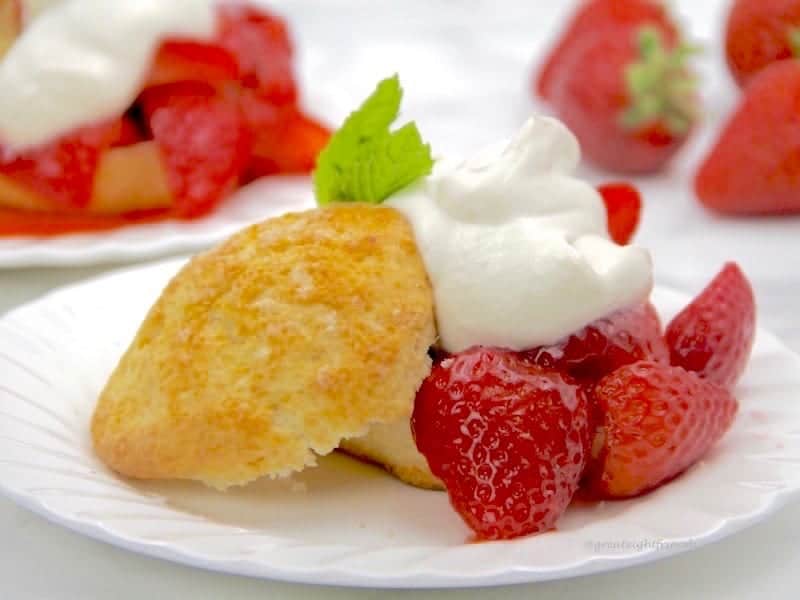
(661, 87)
(794, 41)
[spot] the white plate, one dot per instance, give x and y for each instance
(344, 522)
(262, 199)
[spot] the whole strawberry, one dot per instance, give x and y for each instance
(508, 439)
(658, 421)
(598, 17)
(713, 336)
(760, 32)
(629, 98)
(754, 168)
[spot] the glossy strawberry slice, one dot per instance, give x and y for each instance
(622, 338)
(507, 438)
(181, 60)
(204, 143)
(713, 336)
(284, 141)
(624, 206)
(658, 420)
(62, 171)
(259, 42)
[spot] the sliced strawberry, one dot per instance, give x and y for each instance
(285, 140)
(183, 60)
(259, 42)
(63, 171)
(507, 438)
(624, 206)
(622, 338)
(204, 142)
(658, 420)
(713, 336)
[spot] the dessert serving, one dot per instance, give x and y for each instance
(470, 325)
(160, 113)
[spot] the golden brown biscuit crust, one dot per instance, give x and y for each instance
(270, 349)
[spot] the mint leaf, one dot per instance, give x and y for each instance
(367, 162)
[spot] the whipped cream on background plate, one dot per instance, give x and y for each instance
(83, 61)
(517, 249)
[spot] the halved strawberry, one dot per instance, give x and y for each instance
(183, 60)
(508, 439)
(259, 42)
(658, 421)
(204, 142)
(63, 171)
(713, 336)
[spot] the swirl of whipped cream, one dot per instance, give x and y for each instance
(516, 248)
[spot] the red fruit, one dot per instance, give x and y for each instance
(129, 132)
(713, 336)
(622, 338)
(63, 170)
(759, 33)
(507, 438)
(623, 205)
(259, 42)
(630, 101)
(754, 167)
(204, 143)
(658, 420)
(192, 61)
(598, 17)
(285, 140)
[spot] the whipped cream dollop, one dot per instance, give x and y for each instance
(83, 61)
(516, 248)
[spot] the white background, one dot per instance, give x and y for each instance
(466, 65)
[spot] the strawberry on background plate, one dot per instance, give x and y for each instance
(754, 167)
(713, 336)
(508, 439)
(185, 60)
(759, 33)
(658, 421)
(597, 17)
(628, 96)
(204, 143)
(63, 171)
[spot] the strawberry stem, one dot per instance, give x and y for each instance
(794, 41)
(660, 86)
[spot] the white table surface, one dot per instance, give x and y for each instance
(465, 66)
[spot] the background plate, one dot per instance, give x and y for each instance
(345, 522)
(262, 199)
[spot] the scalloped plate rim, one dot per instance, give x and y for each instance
(770, 501)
